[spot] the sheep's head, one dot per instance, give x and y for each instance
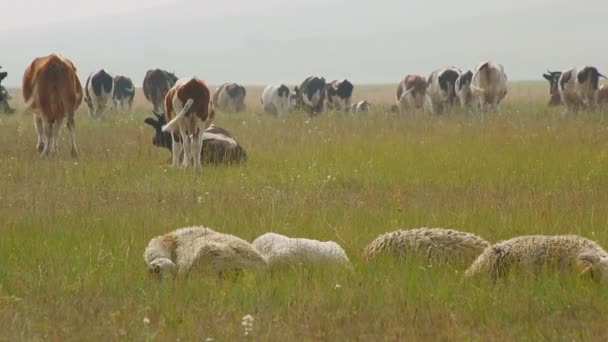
(594, 265)
(162, 268)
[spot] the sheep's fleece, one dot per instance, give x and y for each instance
(201, 249)
(282, 250)
(436, 244)
(532, 252)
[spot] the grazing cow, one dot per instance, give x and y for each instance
(410, 93)
(602, 96)
(553, 78)
(4, 96)
(440, 91)
(276, 99)
(157, 83)
(311, 94)
(361, 107)
(219, 146)
(230, 97)
(463, 89)
(489, 86)
(124, 93)
(98, 92)
(189, 111)
(51, 88)
(338, 95)
(578, 87)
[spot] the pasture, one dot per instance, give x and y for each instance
(73, 232)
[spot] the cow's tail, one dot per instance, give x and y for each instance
(477, 89)
(170, 126)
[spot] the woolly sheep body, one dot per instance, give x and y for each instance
(201, 249)
(535, 251)
(282, 250)
(435, 244)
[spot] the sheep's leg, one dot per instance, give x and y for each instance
(176, 149)
(39, 132)
(72, 129)
(55, 134)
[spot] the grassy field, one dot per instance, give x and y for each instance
(73, 233)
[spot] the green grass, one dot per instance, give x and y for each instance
(73, 233)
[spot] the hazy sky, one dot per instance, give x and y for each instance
(267, 41)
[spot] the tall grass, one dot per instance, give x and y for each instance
(73, 233)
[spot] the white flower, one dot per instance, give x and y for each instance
(146, 320)
(247, 323)
(338, 286)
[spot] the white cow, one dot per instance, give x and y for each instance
(489, 86)
(276, 99)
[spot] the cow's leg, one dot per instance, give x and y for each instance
(55, 134)
(197, 140)
(47, 128)
(187, 142)
(39, 132)
(72, 129)
(176, 149)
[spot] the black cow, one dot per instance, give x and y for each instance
(219, 146)
(553, 78)
(4, 96)
(124, 93)
(156, 85)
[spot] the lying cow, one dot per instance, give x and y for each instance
(311, 94)
(440, 90)
(219, 146)
(553, 78)
(578, 87)
(276, 99)
(156, 85)
(463, 89)
(338, 95)
(98, 92)
(124, 93)
(361, 107)
(410, 93)
(489, 86)
(230, 97)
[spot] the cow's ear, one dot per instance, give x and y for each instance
(152, 122)
(547, 77)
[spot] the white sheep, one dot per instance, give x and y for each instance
(562, 252)
(434, 244)
(282, 250)
(202, 249)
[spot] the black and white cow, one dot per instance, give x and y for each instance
(124, 93)
(230, 97)
(440, 91)
(463, 89)
(338, 95)
(553, 78)
(156, 85)
(98, 92)
(578, 87)
(4, 96)
(219, 146)
(276, 99)
(311, 94)
(361, 107)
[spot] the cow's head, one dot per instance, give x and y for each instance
(553, 78)
(3, 75)
(160, 139)
(294, 98)
(172, 78)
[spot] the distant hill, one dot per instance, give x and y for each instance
(258, 42)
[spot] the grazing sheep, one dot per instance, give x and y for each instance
(200, 249)
(282, 250)
(435, 244)
(562, 252)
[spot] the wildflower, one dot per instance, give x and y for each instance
(247, 323)
(338, 286)
(146, 320)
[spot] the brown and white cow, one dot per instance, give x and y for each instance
(230, 97)
(553, 78)
(602, 96)
(51, 88)
(410, 93)
(157, 83)
(188, 112)
(338, 95)
(578, 87)
(440, 89)
(362, 106)
(489, 86)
